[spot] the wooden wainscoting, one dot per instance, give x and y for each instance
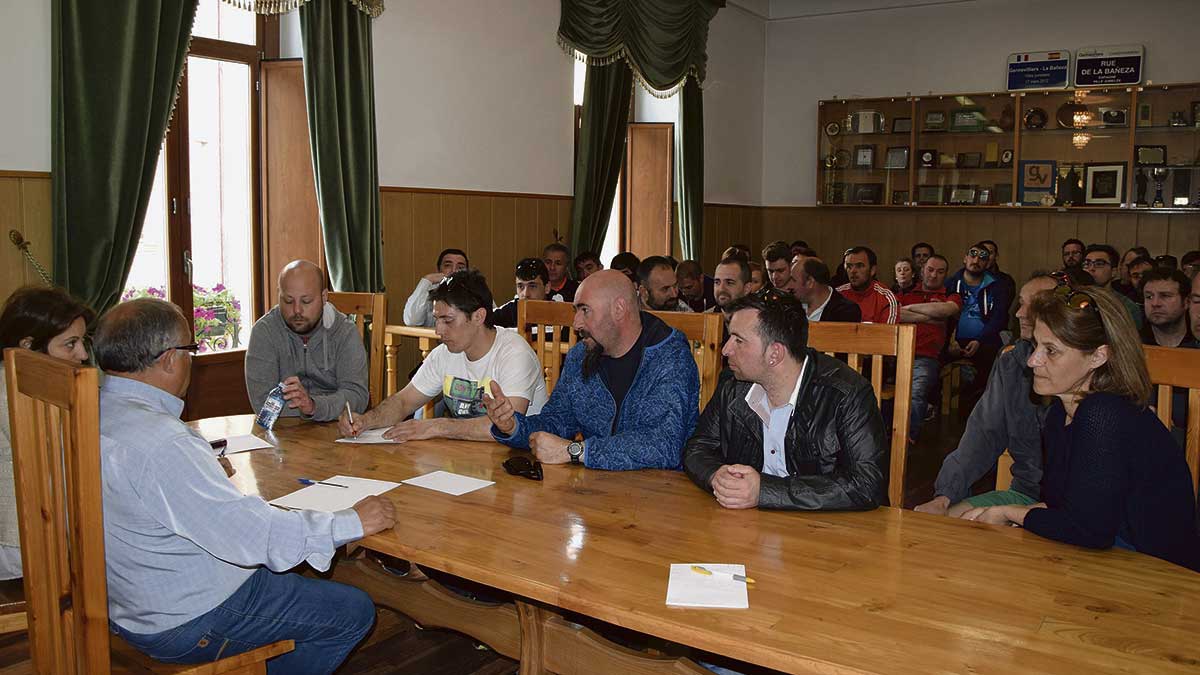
(727, 224)
(1029, 240)
(25, 207)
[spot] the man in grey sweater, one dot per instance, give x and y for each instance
(309, 346)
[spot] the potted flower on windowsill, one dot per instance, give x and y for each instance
(217, 315)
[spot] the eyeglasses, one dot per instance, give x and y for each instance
(1077, 300)
(524, 467)
(1098, 262)
(981, 253)
(193, 348)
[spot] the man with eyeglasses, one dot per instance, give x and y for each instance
(308, 345)
(197, 570)
(417, 310)
(795, 429)
(473, 353)
(985, 305)
(1072, 253)
(1100, 261)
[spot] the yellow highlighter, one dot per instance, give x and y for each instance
(698, 569)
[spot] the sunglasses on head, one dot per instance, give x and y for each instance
(524, 467)
(771, 294)
(530, 266)
(1077, 299)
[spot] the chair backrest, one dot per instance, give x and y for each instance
(703, 333)
(543, 323)
(54, 413)
(1174, 367)
(369, 310)
(877, 340)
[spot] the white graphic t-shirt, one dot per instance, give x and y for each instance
(462, 382)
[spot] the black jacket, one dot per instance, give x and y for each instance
(840, 309)
(837, 455)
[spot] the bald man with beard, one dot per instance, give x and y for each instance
(310, 347)
(629, 387)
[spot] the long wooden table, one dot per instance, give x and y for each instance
(887, 591)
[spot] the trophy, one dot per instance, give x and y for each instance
(1159, 173)
(1141, 181)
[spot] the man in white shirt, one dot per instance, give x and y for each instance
(810, 285)
(473, 354)
(418, 311)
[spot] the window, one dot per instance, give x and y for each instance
(198, 244)
(612, 236)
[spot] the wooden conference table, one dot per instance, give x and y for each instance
(887, 591)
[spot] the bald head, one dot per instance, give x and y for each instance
(301, 295)
(607, 287)
(607, 312)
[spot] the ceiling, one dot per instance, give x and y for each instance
(777, 10)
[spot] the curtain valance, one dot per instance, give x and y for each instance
(663, 41)
(371, 8)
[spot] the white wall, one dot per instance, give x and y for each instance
(733, 108)
(945, 48)
(25, 79)
(473, 95)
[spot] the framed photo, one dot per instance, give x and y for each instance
(899, 197)
(1036, 179)
(864, 157)
(929, 195)
(968, 119)
(928, 158)
(835, 193)
(969, 160)
(947, 161)
(1104, 183)
(1006, 157)
(896, 158)
(935, 120)
(984, 198)
(962, 195)
(868, 193)
(1150, 155)
(1003, 193)
(864, 122)
(1144, 118)
(1114, 117)
(991, 155)
(902, 125)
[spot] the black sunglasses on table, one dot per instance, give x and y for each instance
(524, 467)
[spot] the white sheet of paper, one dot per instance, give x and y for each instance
(244, 443)
(450, 483)
(328, 498)
(686, 588)
(369, 436)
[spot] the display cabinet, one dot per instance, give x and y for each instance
(964, 150)
(864, 152)
(1166, 147)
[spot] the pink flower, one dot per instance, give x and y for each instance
(218, 288)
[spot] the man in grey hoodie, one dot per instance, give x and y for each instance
(309, 346)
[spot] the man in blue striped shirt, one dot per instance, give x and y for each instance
(197, 570)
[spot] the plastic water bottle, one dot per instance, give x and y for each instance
(271, 408)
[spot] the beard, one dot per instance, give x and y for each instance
(591, 358)
(300, 325)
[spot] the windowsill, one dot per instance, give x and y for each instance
(215, 358)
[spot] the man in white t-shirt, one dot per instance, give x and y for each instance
(473, 354)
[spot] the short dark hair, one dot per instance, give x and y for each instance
(742, 264)
(735, 252)
(1114, 258)
(1142, 251)
(938, 256)
(807, 252)
(452, 251)
(817, 270)
(1073, 240)
(920, 244)
(781, 318)
(650, 264)
(799, 242)
(689, 269)
(533, 268)
(1165, 274)
(904, 260)
(557, 248)
(989, 242)
(871, 258)
(625, 261)
(1189, 258)
(40, 313)
(465, 291)
(1141, 260)
(130, 336)
(777, 250)
(585, 257)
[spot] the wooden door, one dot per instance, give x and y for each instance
(291, 221)
(649, 162)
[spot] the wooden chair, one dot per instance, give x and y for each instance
(427, 339)
(54, 413)
(703, 332)
(542, 322)
(369, 310)
(877, 340)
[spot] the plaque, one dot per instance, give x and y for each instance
(864, 122)
(1104, 183)
(1037, 179)
(928, 158)
(969, 160)
(1035, 118)
(991, 155)
(1114, 117)
(968, 119)
(835, 193)
(896, 158)
(1181, 185)
(902, 125)
(929, 195)
(1144, 118)
(868, 193)
(962, 195)
(1004, 193)
(1150, 155)
(1178, 119)
(935, 120)
(947, 161)
(899, 197)
(833, 129)
(985, 197)
(864, 157)
(1006, 157)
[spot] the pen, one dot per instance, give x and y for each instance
(309, 481)
(707, 572)
(220, 443)
(349, 413)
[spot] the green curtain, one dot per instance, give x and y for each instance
(607, 91)
(662, 40)
(115, 74)
(689, 169)
(339, 87)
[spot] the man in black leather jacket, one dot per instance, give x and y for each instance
(796, 429)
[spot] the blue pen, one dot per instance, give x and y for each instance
(309, 481)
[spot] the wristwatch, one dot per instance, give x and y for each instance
(575, 450)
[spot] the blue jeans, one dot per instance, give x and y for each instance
(326, 619)
(926, 372)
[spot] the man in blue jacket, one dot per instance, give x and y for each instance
(985, 305)
(629, 387)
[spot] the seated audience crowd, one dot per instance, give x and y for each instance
(1067, 395)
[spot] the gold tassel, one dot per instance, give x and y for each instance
(372, 8)
(623, 55)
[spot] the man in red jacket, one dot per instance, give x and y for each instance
(878, 304)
